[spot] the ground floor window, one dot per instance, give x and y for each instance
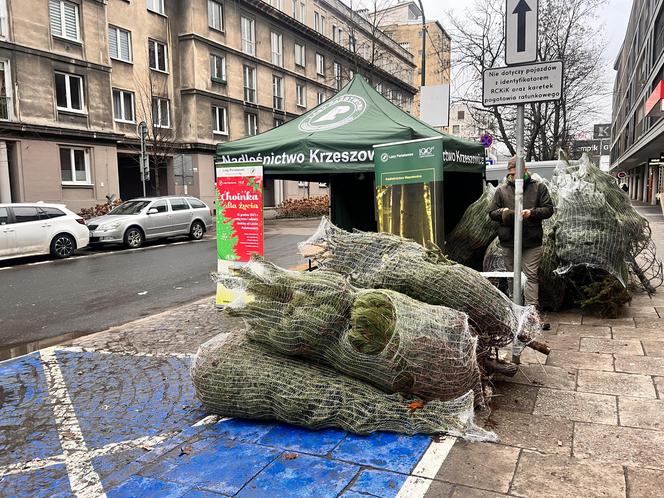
(75, 166)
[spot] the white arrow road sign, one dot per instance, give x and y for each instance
(521, 31)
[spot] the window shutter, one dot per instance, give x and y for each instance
(56, 20)
(71, 21)
(125, 48)
(113, 42)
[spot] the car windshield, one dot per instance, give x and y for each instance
(130, 207)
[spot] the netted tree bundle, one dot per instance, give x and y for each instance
(236, 377)
(639, 250)
(384, 261)
(588, 232)
(474, 232)
(493, 257)
(382, 337)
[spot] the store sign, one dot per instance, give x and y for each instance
(239, 219)
(602, 131)
(655, 103)
(590, 147)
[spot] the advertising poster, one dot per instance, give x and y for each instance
(239, 207)
(409, 189)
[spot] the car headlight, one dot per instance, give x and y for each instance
(109, 227)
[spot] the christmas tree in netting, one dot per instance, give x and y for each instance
(236, 377)
(378, 336)
(385, 261)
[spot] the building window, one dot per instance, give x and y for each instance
(299, 10)
(300, 57)
(250, 124)
(277, 49)
(161, 117)
(156, 6)
(119, 44)
(301, 94)
(352, 44)
(250, 84)
(218, 68)
(278, 122)
(320, 98)
(64, 20)
(219, 121)
(334, 33)
(279, 4)
(455, 129)
(3, 20)
(320, 65)
(278, 92)
(215, 15)
(248, 27)
(75, 166)
(319, 23)
(158, 53)
(379, 88)
(69, 92)
(5, 91)
(461, 115)
(123, 106)
(337, 75)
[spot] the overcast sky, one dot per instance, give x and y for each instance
(613, 19)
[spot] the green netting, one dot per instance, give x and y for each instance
(235, 377)
(384, 261)
(378, 336)
(468, 240)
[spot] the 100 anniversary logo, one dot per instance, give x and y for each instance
(337, 112)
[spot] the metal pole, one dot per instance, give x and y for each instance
(424, 51)
(518, 221)
(142, 129)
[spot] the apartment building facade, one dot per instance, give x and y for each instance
(637, 133)
(78, 76)
(403, 23)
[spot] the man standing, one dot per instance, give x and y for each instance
(537, 206)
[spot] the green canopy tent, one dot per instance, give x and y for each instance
(334, 143)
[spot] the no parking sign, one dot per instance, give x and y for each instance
(486, 140)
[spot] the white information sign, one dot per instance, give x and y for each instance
(521, 31)
(521, 84)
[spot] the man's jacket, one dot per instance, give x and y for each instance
(535, 197)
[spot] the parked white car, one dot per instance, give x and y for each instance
(29, 229)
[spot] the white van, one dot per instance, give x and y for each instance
(497, 172)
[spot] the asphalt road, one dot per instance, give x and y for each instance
(42, 300)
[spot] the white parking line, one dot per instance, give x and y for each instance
(83, 479)
(418, 483)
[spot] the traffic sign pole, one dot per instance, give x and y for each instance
(518, 220)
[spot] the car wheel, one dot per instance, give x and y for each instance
(133, 238)
(197, 230)
(62, 246)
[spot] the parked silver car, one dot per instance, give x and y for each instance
(145, 218)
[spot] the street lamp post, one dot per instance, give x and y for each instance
(424, 52)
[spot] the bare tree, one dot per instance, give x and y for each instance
(567, 32)
(154, 107)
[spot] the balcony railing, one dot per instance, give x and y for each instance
(5, 108)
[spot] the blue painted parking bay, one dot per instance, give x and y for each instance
(86, 423)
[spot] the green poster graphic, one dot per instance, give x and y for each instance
(409, 193)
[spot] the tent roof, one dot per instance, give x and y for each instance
(338, 137)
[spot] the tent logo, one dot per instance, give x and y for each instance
(334, 113)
